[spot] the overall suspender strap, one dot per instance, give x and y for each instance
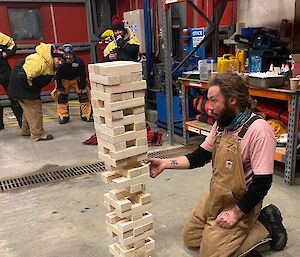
(247, 125)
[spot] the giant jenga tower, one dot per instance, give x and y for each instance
(119, 114)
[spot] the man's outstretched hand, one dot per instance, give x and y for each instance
(156, 167)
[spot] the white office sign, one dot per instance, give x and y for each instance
(172, 1)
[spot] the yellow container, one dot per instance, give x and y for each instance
(240, 56)
(227, 63)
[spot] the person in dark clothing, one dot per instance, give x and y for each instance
(27, 79)
(8, 49)
(125, 46)
(228, 220)
(72, 74)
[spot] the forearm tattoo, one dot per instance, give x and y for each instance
(174, 162)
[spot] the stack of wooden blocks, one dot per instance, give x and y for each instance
(119, 113)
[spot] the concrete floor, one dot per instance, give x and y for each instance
(66, 219)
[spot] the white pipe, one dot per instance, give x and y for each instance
(53, 23)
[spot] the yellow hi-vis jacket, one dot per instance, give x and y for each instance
(40, 63)
(130, 38)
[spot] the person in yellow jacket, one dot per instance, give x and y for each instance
(72, 74)
(27, 79)
(124, 46)
(8, 49)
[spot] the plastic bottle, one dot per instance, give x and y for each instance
(203, 69)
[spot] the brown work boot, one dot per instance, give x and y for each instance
(49, 137)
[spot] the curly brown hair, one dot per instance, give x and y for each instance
(233, 85)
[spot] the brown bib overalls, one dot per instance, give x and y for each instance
(227, 186)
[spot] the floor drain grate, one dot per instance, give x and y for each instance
(41, 178)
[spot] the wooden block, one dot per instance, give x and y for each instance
(118, 194)
(132, 77)
(96, 103)
(135, 208)
(149, 253)
(127, 96)
(133, 239)
(121, 182)
(106, 97)
(142, 229)
(116, 168)
(113, 165)
(93, 86)
(97, 119)
(108, 206)
(126, 87)
(132, 236)
(113, 158)
(122, 251)
(143, 198)
(141, 141)
(111, 233)
(97, 87)
(112, 218)
(137, 216)
(135, 188)
(121, 105)
(122, 205)
(139, 110)
(128, 152)
(108, 114)
(141, 169)
(117, 68)
(115, 131)
(109, 161)
(113, 147)
(108, 176)
(139, 126)
(91, 68)
(105, 80)
(126, 120)
(139, 93)
(138, 231)
(139, 244)
(126, 225)
(136, 170)
(128, 136)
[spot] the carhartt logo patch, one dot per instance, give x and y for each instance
(228, 165)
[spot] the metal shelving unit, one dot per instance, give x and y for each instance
(286, 155)
(211, 33)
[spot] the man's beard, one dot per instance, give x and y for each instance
(226, 116)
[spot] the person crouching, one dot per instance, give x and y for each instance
(27, 79)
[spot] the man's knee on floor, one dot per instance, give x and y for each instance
(62, 99)
(190, 239)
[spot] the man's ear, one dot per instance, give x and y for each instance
(232, 100)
